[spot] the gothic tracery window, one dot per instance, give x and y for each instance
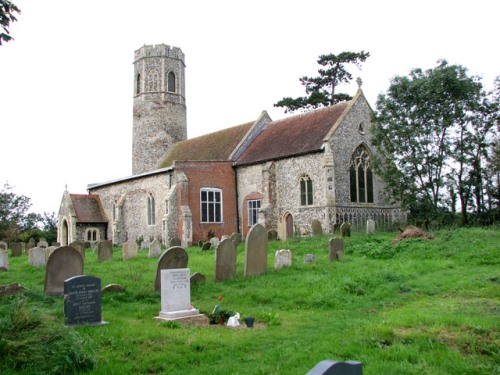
(361, 176)
(306, 190)
(153, 81)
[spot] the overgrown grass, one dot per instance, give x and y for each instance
(417, 307)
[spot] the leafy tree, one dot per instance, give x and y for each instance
(13, 211)
(321, 90)
(433, 130)
(7, 11)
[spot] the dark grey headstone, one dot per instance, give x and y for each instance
(272, 235)
(173, 258)
(175, 242)
(197, 278)
(104, 251)
(64, 263)
(82, 300)
(317, 230)
(336, 228)
(335, 248)
(206, 246)
(345, 230)
(225, 260)
(236, 238)
(17, 248)
(256, 251)
(329, 367)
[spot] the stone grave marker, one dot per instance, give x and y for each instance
(224, 237)
(206, 246)
(175, 242)
(309, 258)
(329, 367)
(11, 289)
(225, 260)
(317, 229)
(256, 251)
(3, 245)
(56, 244)
(82, 301)
(129, 249)
(31, 244)
(42, 243)
(17, 247)
(104, 251)
(335, 248)
(4, 260)
(282, 258)
(197, 278)
(370, 226)
(272, 234)
(215, 242)
(154, 249)
(336, 228)
(63, 263)
(49, 251)
(36, 257)
(173, 258)
(80, 246)
(176, 295)
(87, 245)
(145, 244)
(345, 230)
(236, 238)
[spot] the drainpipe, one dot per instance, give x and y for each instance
(237, 200)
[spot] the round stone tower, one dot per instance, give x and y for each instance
(159, 104)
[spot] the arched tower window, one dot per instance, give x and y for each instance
(138, 84)
(171, 82)
(361, 176)
(306, 190)
(153, 81)
(151, 210)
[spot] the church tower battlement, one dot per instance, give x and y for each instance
(159, 104)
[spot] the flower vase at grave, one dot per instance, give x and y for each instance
(249, 322)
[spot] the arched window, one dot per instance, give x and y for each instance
(361, 176)
(171, 82)
(306, 190)
(138, 84)
(151, 210)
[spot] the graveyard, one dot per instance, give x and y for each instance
(418, 306)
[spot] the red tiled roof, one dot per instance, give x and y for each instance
(210, 147)
(88, 208)
(296, 135)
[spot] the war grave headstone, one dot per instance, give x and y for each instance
(282, 258)
(309, 258)
(272, 234)
(104, 251)
(64, 263)
(236, 238)
(17, 247)
(370, 226)
(317, 230)
(3, 245)
(49, 251)
(80, 246)
(129, 249)
(256, 251)
(176, 295)
(335, 248)
(4, 260)
(345, 230)
(82, 301)
(329, 367)
(173, 258)
(36, 257)
(154, 249)
(225, 260)
(42, 243)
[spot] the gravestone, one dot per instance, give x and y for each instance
(36, 257)
(129, 249)
(215, 242)
(329, 367)
(317, 230)
(173, 258)
(175, 242)
(336, 228)
(272, 235)
(197, 278)
(145, 244)
(154, 249)
(225, 260)
(11, 289)
(200, 243)
(4, 260)
(335, 248)
(345, 230)
(3, 245)
(309, 258)
(104, 251)
(80, 246)
(206, 246)
(176, 295)
(282, 258)
(370, 226)
(42, 243)
(56, 244)
(82, 301)
(17, 247)
(236, 238)
(224, 237)
(113, 288)
(49, 251)
(87, 245)
(30, 245)
(64, 263)
(256, 251)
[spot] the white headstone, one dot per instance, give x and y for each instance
(154, 249)
(36, 257)
(4, 260)
(282, 258)
(176, 294)
(370, 226)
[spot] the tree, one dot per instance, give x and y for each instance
(432, 130)
(321, 90)
(7, 11)
(13, 211)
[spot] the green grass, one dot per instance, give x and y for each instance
(417, 307)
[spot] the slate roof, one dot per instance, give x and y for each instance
(88, 208)
(292, 136)
(210, 147)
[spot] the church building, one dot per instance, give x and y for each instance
(282, 174)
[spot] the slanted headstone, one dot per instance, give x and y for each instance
(16, 250)
(3, 245)
(176, 295)
(154, 249)
(225, 260)
(335, 248)
(4, 260)
(173, 258)
(11, 289)
(370, 226)
(42, 243)
(317, 230)
(36, 257)
(49, 251)
(329, 367)
(114, 288)
(175, 242)
(345, 230)
(129, 249)
(63, 263)
(82, 301)
(309, 258)
(236, 238)
(272, 234)
(215, 242)
(197, 278)
(282, 258)
(224, 237)
(256, 251)
(206, 246)
(104, 251)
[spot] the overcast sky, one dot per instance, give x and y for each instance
(66, 81)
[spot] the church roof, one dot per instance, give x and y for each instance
(210, 147)
(88, 208)
(295, 135)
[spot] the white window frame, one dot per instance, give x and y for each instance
(253, 212)
(212, 206)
